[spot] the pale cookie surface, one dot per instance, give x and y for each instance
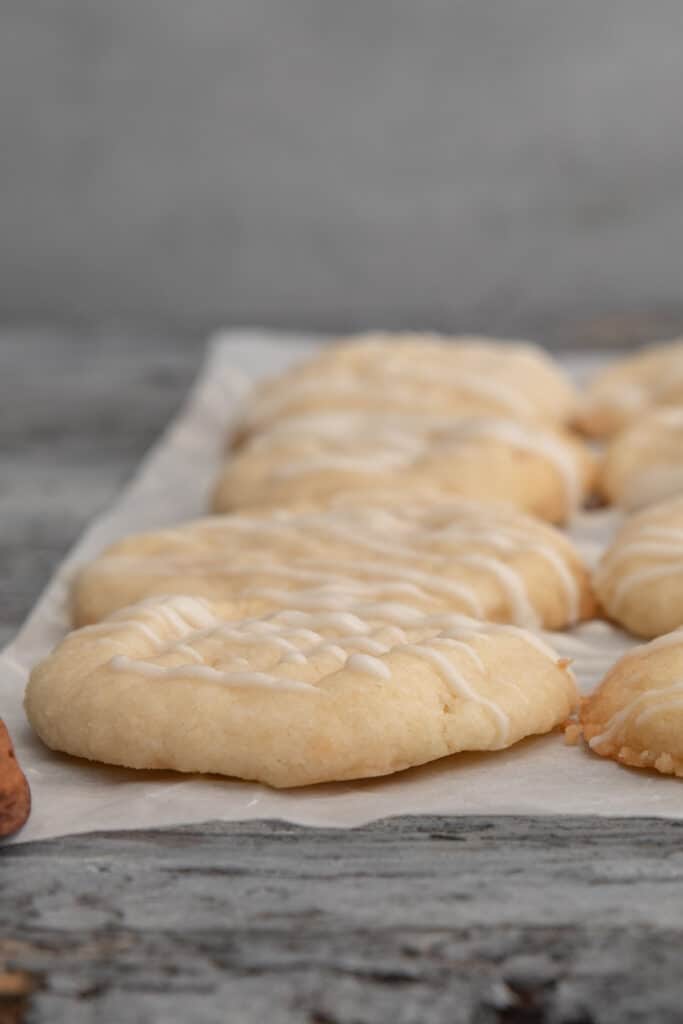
(639, 581)
(643, 464)
(294, 698)
(417, 374)
(309, 461)
(636, 714)
(630, 387)
(482, 560)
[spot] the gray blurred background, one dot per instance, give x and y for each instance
(498, 164)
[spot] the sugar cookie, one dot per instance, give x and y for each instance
(310, 460)
(294, 698)
(629, 387)
(417, 374)
(643, 464)
(636, 714)
(490, 562)
(639, 581)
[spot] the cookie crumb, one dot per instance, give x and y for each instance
(665, 764)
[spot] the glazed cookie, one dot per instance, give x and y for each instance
(309, 461)
(629, 387)
(294, 698)
(488, 562)
(644, 463)
(636, 714)
(639, 581)
(417, 374)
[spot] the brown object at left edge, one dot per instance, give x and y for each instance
(15, 795)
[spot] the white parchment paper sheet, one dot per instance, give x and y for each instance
(538, 776)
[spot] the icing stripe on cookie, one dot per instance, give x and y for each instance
(621, 717)
(538, 442)
(460, 686)
(358, 641)
(147, 668)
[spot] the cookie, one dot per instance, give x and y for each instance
(294, 698)
(630, 387)
(639, 580)
(417, 374)
(643, 464)
(306, 462)
(636, 714)
(488, 562)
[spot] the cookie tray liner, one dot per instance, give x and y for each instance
(539, 776)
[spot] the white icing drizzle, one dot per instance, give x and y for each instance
(670, 416)
(566, 577)
(447, 641)
(512, 376)
(539, 442)
(121, 663)
(105, 628)
(623, 552)
(426, 581)
(337, 595)
(367, 463)
(189, 652)
(668, 640)
(394, 430)
(356, 641)
(636, 654)
(645, 575)
(620, 717)
(513, 585)
(323, 572)
(652, 483)
(657, 707)
(459, 685)
(369, 665)
(395, 448)
(182, 610)
(643, 538)
(270, 407)
(409, 541)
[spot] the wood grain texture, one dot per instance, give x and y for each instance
(410, 920)
(517, 921)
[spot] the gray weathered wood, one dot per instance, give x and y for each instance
(565, 921)
(417, 919)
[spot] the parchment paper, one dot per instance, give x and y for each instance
(538, 776)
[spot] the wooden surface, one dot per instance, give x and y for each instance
(565, 921)
(410, 921)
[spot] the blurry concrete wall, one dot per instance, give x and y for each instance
(338, 162)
